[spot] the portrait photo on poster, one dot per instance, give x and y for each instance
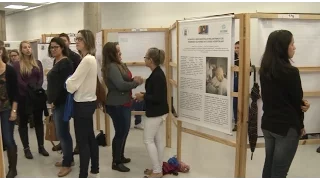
(204, 29)
(217, 77)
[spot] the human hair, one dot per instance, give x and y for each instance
(89, 42)
(14, 50)
(27, 62)
(109, 55)
(62, 45)
(275, 60)
(237, 43)
(157, 55)
(64, 35)
(4, 56)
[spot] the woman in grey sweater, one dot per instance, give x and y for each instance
(119, 81)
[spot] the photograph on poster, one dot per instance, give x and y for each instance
(217, 78)
(203, 29)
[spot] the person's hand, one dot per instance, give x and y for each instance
(139, 96)
(138, 79)
(306, 106)
(303, 132)
(13, 116)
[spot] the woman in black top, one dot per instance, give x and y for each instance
(157, 109)
(57, 96)
(283, 104)
(9, 95)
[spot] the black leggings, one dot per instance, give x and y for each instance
(23, 124)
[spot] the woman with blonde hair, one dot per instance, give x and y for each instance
(32, 97)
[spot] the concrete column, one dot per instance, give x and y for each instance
(3, 35)
(92, 16)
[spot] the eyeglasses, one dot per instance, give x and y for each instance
(79, 39)
(54, 47)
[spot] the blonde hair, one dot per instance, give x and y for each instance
(27, 63)
(219, 74)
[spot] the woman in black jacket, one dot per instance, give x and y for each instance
(283, 104)
(57, 96)
(157, 109)
(9, 95)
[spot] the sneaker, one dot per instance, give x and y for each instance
(91, 175)
(139, 126)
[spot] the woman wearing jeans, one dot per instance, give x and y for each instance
(157, 109)
(83, 84)
(57, 96)
(8, 110)
(119, 81)
(283, 104)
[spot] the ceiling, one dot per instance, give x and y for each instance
(29, 4)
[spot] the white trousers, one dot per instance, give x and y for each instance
(154, 140)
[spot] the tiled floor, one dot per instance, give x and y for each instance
(206, 158)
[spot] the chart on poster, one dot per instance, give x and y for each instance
(205, 53)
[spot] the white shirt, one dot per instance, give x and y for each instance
(83, 82)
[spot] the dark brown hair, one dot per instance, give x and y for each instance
(4, 57)
(89, 42)
(62, 45)
(64, 35)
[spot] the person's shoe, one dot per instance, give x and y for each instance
(27, 153)
(235, 128)
(139, 126)
(57, 147)
(155, 175)
(125, 160)
(148, 171)
(43, 151)
(120, 167)
(318, 150)
(59, 164)
(64, 171)
(76, 150)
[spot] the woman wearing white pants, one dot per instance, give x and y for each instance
(157, 109)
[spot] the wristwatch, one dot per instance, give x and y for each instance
(13, 110)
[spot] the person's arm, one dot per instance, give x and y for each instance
(21, 83)
(156, 94)
(40, 80)
(74, 82)
(296, 93)
(116, 78)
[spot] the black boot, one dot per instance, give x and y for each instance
(120, 167)
(57, 147)
(27, 153)
(43, 151)
(12, 158)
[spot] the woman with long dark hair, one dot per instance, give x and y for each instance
(119, 81)
(283, 104)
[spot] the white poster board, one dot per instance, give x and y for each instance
(306, 36)
(134, 47)
(205, 77)
(99, 46)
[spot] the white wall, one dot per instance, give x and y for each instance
(55, 18)
(153, 14)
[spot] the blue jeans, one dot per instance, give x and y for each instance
(121, 118)
(280, 151)
(63, 133)
(7, 128)
(138, 106)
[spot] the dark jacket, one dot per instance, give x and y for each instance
(282, 100)
(75, 59)
(57, 77)
(155, 98)
(36, 99)
(12, 84)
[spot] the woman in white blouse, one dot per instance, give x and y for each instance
(83, 85)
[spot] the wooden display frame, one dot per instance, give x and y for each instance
(241, 143)
(139, 63)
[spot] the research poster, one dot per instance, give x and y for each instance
(205, 77)
(99, 46)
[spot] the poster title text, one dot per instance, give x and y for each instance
(205, 40)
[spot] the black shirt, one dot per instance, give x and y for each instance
(156, 102)
(57, 77)
(12, 84)
(75, 59)
(282, 100)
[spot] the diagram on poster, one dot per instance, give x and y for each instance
(205, 52)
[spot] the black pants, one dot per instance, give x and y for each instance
(280, 151)
(23, 124)
(121, 118)
(88, 146)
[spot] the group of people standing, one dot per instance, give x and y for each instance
(21, 94)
